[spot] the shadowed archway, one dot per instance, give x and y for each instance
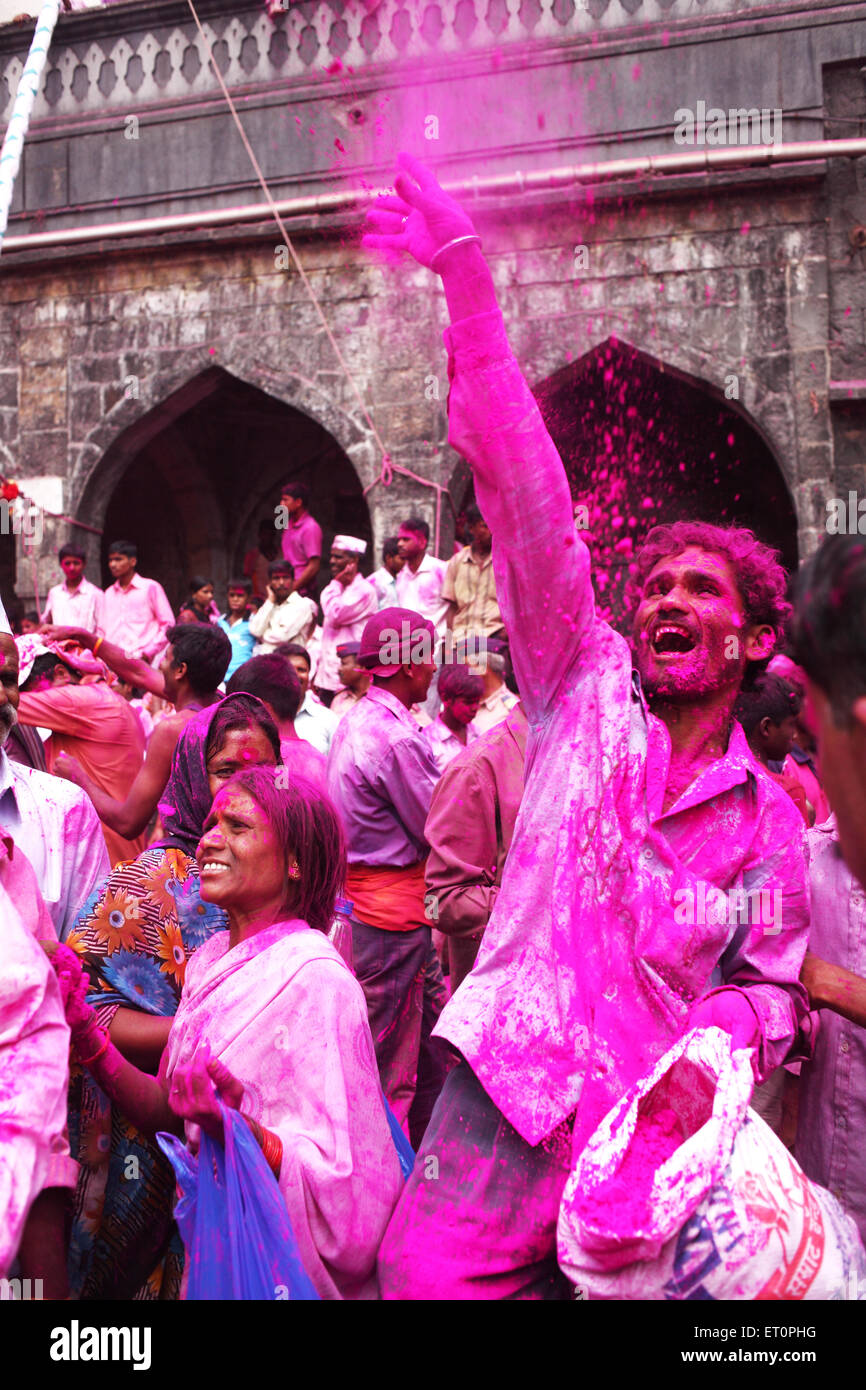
(191, 480)
(645, 444)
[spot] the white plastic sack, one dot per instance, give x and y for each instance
(730, 1214)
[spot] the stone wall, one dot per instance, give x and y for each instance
(731, 291)
(748, 282)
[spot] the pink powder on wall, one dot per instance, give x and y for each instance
(622, 1202)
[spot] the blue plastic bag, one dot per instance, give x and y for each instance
(232, 1217)
(405, 1152)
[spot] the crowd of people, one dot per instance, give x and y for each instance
(193, 806)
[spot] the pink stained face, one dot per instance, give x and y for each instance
(240, 862)
(841, 759)
(9, 693)
(690, 633)
(464, 711)
(242, 748)
(73, 569)
(411, 543)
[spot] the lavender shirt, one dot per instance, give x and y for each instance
(832, 1118)
(381, 774)
(584, 977)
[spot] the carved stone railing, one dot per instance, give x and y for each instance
(148, 61)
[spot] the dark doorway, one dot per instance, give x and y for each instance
(643, 444)
(208, 470)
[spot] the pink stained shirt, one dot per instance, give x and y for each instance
(136, 618)
(34, 1055)
(832, 1112)
(346, 611)
(584, 977)
(283, 1012)
(301, 541)
(95, 725)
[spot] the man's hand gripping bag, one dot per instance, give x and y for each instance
(684, 1192)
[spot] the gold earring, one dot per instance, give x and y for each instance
(294, 872)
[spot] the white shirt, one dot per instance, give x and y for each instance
(422, 591)
(385, 585)
(290, 621)
(136, 617)
(81, 607)
(445, 745)
(57, 828)
(34, 1064)
(315, 723)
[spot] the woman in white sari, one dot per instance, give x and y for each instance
(273, 1023)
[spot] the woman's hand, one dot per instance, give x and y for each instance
(196, 1091)
(420, 218)
(87, 1035)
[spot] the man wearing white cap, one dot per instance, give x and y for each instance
(347, 602)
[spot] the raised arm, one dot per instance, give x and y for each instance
(128, 668)
(260, 619)
(142, 1098)
(541, 564)
(350, 604)
(128, 818)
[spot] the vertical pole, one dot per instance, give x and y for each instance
(13, 141)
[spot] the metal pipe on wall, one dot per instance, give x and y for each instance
(690, 162)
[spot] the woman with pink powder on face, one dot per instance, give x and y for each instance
(273, 1023)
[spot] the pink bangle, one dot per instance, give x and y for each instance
(86, 1061)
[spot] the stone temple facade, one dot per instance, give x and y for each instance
(697, 337)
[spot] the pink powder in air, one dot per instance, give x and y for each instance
(622, 1202)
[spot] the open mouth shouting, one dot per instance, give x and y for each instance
(669, 639)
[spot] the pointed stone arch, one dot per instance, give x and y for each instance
(197, 468)
(644, 442)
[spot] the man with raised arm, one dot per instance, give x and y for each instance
(639, 786)
(193, 664)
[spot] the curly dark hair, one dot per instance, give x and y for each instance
(761, 578)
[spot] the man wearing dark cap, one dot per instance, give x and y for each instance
(353, 678)
(382, 776)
